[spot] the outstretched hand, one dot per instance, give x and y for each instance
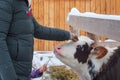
(43, 68)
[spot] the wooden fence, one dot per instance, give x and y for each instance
(53, 13)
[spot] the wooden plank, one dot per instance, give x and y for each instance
(57, 17)
(112, 6)
(103, 7)
(46, 12)
(82, 6)
(40, 18)
(51, 21)
(98, 6)
(88, 4)
(108, 28)
(67, 10)
(36, 46)
(36, 8)
(77, 4)
(71, 4)
(62, 15)
(93, 5)
(108, 6)
(117, 3)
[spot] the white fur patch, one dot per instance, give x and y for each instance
(99, 62)
(84, 39)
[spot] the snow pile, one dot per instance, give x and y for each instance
(110, 40)
(76, 12)
(45, 57)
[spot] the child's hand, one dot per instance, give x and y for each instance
(43, 68)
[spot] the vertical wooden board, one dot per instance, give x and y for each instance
(71, 4)
(103, 6)
(88, 4)
(117, 11)
(93, 7)
(98, 6)
(51, 21)
(108, 6)
(77, 4)
(36, 44)
(40, 19)
(57, 17)
(67, 10)
(82, 6)
(36, 8)
(62, 15)
(113, 6)
(41, 11)
(51, 13)
(46, 12)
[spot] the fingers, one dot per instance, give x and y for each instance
(43, 68)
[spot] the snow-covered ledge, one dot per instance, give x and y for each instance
(99, 24)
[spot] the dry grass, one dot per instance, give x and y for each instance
(62, 73)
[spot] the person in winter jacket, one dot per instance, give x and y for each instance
(17, 31)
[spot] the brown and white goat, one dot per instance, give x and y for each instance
(90, 63)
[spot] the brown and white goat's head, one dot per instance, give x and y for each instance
(75, 51)
(82, 57)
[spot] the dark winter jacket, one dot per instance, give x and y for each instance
(17, 30)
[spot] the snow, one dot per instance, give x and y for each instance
(46, 57)
(110, 40)
(76, 12)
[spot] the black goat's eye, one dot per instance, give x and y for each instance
(78, 46)
(96, 49)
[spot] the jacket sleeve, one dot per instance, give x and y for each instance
(43, 32)
(35, 73)
(7, 71)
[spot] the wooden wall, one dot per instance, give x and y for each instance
(53, 13)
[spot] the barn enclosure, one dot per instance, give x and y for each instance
(53, 13)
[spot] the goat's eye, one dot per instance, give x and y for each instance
(78, 46)
(96, 49)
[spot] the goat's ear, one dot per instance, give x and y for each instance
(74, 34)
(100, 51)
(93, 37)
